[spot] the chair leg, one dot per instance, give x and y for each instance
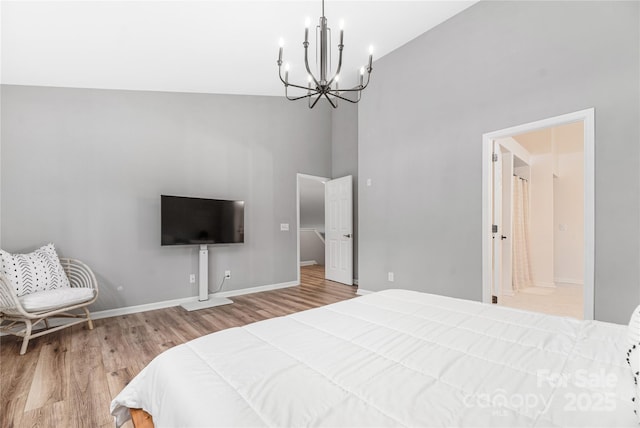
(86, 311)
(27, 336)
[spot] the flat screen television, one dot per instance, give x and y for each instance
(198, 221)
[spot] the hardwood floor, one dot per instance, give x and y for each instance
(68, 378)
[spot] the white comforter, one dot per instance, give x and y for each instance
(394, 358)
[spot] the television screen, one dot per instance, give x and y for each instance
(197, 221)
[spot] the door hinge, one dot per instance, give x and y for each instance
(494, 228)
(494, 157)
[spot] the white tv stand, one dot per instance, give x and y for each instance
(204, 301)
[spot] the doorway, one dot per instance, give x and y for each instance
(325, 227)
(311, 222)
(538, 216)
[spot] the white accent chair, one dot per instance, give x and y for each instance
(34, 308)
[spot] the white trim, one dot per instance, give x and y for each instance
(127, 310)
(544, 284)
(588, 118)
(310, 229)
(568, 281)
(355, 281)
(311, 177)
(363, 292)
(308, 263)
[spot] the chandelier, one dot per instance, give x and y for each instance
(323, 86)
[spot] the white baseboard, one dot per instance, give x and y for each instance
(363, 292)
(569, 281)
(544, 284)
(127, 310)
(308, 263)
(176, 302)
(508, 293)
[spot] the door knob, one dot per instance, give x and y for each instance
(503, 237)
(348, 235)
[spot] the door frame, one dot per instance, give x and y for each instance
(298, 177)
(587, 117)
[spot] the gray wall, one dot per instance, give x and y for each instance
(84, 169)
(344, 159)
(311, 204)
(495, 65)
(311, 247)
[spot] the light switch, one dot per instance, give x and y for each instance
(284, 227)
(368, 182)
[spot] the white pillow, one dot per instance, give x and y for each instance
(633, 332)
(37, 271)
(633, 357)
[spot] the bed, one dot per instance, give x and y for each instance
(393, 358)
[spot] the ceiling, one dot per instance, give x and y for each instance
(227, 47)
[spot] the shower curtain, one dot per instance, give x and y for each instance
(521, 253)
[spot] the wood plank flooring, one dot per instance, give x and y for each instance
(68, 378)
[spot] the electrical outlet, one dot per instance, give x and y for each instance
(227, 274)
(192, 278)
(390, 277)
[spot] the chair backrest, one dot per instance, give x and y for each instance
(8, 298)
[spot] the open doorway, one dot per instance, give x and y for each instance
(538, 216)
(311, 225)
(325, 228)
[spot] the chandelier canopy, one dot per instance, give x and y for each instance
(323, 86)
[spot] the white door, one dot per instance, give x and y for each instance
(338, 203)
(497, 219)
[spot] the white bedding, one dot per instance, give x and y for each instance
(393, 358)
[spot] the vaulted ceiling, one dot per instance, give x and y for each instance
(228, 47)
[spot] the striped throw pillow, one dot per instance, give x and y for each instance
(37, 271)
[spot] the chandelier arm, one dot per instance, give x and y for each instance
(290, 84)
(316, 101)
(301, 96)
(339, 66)
(369, 70)
(359, 87)
(326, 95)
(306, 88)
(280, 76)
(354, 89)
(306, 63)
(343, 98)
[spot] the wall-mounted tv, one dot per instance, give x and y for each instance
(198, 221)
